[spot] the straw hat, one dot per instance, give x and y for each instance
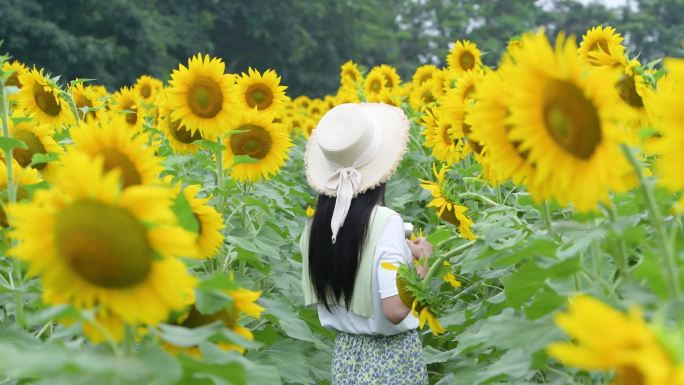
(355, 147)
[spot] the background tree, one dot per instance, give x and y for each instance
(115, 41)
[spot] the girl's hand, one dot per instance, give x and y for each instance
(421, 250)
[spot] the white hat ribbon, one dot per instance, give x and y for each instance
(346, 180)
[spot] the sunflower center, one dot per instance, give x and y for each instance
(146, 91)
(389, 81)
(449, 216)
(628, 92)
(446, 137)
(114, 158)
(182, 134)
(132, 116)
(468, 94)
(259, 96)
(196, 319)
(13, 80)
(205, 97)
(467, 60)
(375, 85)
(600, 45)
(105, 245)
(254, 141)
(24, 156)
(45, 100)
(571, 118)
(351, 75)
(81, 101)
(629, 375)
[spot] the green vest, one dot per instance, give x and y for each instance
(362, 300)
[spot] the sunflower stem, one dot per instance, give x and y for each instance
(219, 176)
(438, 262)
(72, 105)
(667, 261)
(482, 198)
(12, 198)
(623, 260)
(546, 213)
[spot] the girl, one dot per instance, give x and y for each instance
(351, 154)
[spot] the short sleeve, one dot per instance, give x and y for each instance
(392, 248)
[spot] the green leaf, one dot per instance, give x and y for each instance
(39, 158)
(244, 159)
(7, 144)
(186, 217)
(209, 145)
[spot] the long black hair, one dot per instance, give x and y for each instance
(333, 267)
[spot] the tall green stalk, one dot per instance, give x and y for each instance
(668, 264)
(437, 263)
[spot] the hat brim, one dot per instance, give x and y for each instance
(395, 129)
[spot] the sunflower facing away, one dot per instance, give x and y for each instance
(119, 149)
(98, 246)
(87, 98)
(607, 340)
(202, 96)
(350, 76)
(209, 236)
(41, 99)
(38, 138)
(464, 56)
(602, 46)
(444, 200)
(256, 137)
(567, 115)
(261, 91)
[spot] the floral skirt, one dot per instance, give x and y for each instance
(361, 359)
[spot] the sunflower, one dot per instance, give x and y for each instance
(391, 76)
(243, 302)
(302, 102)
(438, 81)
(444, 199)
(38, 138)
(374, 83)
(88, 99)
(41, 99)
(181, 139)
(98, 246)
(21, 177)
(566, 115)
(453, 111)
(261, 92)
(209, 237)
(422, 96)
(467, 84)
(147, 88)
(350, 76)
(464, 56)
(446, 141)
(423, 74)
(489, 127)
(202, 96)
(667, 106)
(346, 95)
(127, 104)
(119, 149)
(602, 46)
(264, 143)
(17, 69)
(635, 91)
(388, 96)
(316, 109)
(608, 340)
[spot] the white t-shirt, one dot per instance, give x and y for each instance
(392, 248)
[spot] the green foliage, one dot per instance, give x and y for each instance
(303, 41)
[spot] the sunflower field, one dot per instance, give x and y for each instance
(150, 235)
